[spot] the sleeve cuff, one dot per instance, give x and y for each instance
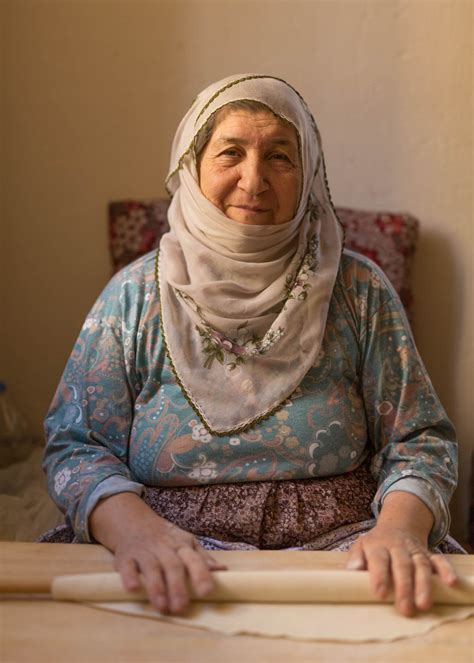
(111, 486)
(430, 497)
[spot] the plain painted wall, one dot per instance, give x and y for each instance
(93, 91)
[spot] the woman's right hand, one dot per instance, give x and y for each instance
(150, 550)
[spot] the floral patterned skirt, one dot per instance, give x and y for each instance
(269, 514)
(308, 514)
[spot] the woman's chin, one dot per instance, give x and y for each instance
(251, 218)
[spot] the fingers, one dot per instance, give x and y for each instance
(403, 581)
(129, 572)
(163, 578)
(197, 567)
(423, 590)
(393, 569)
(400, 563)
(166, 571)
(379, 565)
(356, 560)
(175, 576)
(213, 564)
(422, 567)
(210, 561)
(444, 569)
(154, 582)
(144, 571)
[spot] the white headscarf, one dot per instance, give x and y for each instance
(244, 307)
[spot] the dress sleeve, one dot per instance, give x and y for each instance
(413, 439)
(87, 427)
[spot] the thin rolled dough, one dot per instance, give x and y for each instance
(302, 621)
(304, 605)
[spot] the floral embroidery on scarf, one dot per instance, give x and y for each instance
(230, 352)
(298, 285)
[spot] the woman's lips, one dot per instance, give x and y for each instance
(249, 208)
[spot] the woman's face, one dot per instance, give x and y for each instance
(250, 167)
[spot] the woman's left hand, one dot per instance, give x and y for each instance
(397, 557)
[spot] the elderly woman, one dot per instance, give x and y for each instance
(252, 385)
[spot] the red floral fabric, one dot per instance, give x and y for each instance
(388, 238)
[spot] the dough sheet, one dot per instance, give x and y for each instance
(304, 605)
(302, 621)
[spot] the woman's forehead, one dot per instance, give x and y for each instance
(240, 121)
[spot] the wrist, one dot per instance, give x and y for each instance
(120, 516)
(406, 511)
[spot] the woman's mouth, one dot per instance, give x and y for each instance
(250, 208)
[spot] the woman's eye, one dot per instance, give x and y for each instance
(280, 157)
(230, 153)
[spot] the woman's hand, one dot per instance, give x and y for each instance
(150, 550)
(396, 555)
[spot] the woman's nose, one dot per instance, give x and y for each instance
(252, 177)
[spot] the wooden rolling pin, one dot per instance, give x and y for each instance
(260, 587)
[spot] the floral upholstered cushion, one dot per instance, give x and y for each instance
(135, 227)
(388, 238)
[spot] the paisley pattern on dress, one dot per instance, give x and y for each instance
(118, 410)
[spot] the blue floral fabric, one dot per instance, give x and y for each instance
(119, 419)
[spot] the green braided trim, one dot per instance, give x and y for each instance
(232, 431)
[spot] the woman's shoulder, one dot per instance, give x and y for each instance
(140, 271)
(129, 292)
(359, 272)
(358, 266)
(362, 285)
(134, 279)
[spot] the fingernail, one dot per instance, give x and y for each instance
(354, 564)
(406, 607)
(204, 587)
(160, 604)
(381, 590)
(178, 604)
(214, 564)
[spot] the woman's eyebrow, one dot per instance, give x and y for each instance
(242, 141)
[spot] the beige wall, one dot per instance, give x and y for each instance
(2, 177)
(94, 90)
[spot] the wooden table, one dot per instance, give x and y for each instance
(39, 629)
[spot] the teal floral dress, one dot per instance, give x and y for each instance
(119, 421)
